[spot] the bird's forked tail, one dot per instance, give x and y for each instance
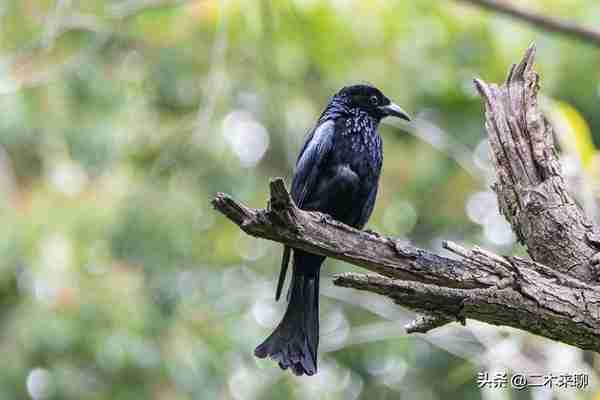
(294, 342)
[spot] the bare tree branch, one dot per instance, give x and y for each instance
(553, 300)
(531, 190)
(482, 285)
(318, 233)
(548, 23)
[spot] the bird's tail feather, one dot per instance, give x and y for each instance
(294, 342)
(284, 266)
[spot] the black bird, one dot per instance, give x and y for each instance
(337, 173)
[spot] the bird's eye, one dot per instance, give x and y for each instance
(374, 100)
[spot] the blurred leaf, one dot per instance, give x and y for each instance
(574, 133)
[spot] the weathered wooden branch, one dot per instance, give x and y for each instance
(549, 23)
(531, 190)
(554, 298)
(480, 285)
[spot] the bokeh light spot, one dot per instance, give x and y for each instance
(39, 384)
(248, 138)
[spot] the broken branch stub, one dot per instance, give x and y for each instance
(531, 191)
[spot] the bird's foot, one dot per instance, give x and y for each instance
(595, 266)
(371, 232)
(325, 218)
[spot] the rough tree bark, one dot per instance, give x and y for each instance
(531, 191)
(551, 296)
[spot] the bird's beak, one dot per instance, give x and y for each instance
(394, 110)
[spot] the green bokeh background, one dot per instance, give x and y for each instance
(120, 120)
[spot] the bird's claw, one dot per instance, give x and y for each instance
(325, 218)
(595, 266)
(371, 232)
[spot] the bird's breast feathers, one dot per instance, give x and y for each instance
(358, 145)
(359, 122)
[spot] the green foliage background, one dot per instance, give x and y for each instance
(119, 120)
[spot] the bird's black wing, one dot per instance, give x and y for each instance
(308, 166)
(311, 158)
(368, 206)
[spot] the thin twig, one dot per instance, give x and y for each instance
(553, 24)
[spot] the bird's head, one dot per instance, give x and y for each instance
(370, 100)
